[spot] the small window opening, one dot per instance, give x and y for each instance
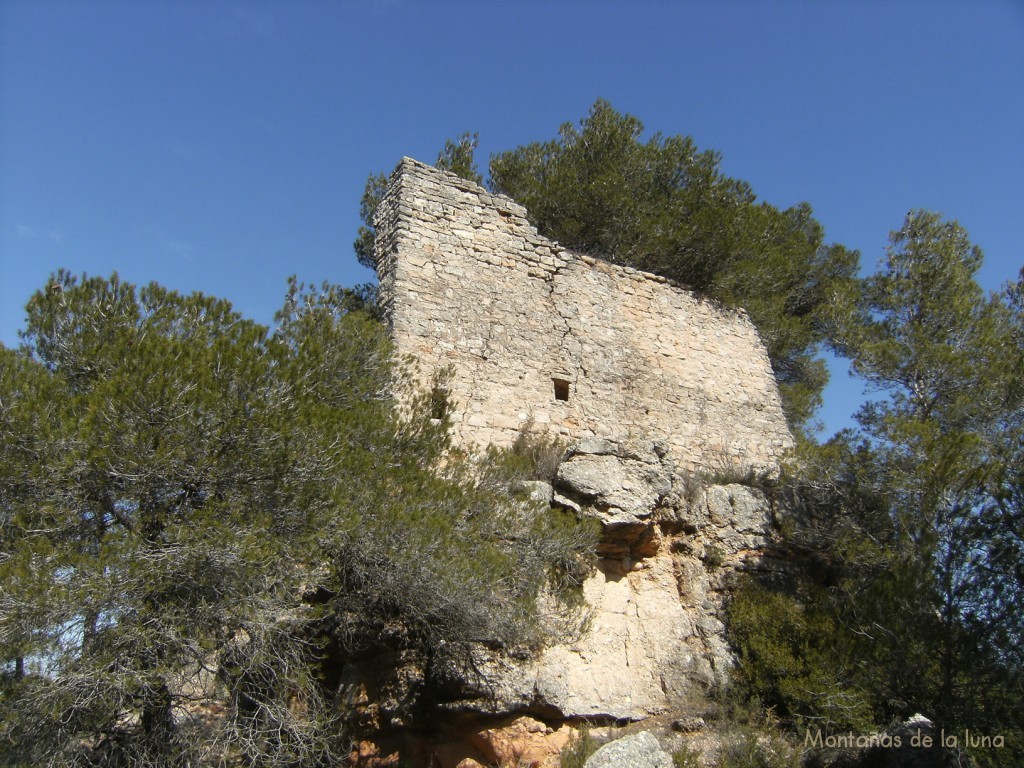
(561, 389)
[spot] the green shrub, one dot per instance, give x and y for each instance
(542, 452)
(534, 455)
(714, 557)
(789, 657)
(749, 748)
(686, 758)
(576, 753)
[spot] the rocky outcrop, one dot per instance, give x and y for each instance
(648, 638)
(655, 637)
(625, 486)
(524, 741)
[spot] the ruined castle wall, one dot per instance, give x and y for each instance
(580, 347)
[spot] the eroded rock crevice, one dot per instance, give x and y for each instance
(647, 642)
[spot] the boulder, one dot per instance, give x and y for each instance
(534, 490)
(619, 484)
(641, 750)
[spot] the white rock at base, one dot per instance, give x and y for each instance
(641, 750)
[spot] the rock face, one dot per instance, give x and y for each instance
(647, 641)
(524, 741)
(638, 751)
(663, 398)
(650, 640)
(625, 485)
(582, 347)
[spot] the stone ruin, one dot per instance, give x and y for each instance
(579, 346)
(673, 417)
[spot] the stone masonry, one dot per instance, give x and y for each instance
(535, 334)
(663, 398)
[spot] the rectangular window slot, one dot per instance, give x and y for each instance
(561, 389)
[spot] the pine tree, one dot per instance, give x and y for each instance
(663, 206)
(196, 511)
(908, 533)
(946, 436)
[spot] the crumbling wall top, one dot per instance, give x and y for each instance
(537, 335)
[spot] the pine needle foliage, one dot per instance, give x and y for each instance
(193, 507)
(906, 536)
(662, 205)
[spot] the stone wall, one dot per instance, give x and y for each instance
(533, 333)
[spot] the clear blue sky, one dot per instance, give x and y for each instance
(221, 146)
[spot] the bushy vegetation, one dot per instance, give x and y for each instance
(579, 750)
(686, 758)
(908, 534)
(534, 455)
(752, 748)
(195, 510)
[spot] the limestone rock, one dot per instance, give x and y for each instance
(597, 446)
(638, 751)
(638, 652)
(474, 678)
(739, 516)
(524, 741)
(689, 724)
(647, 639)
(534, 490)
(620, 490)
(633, 660)
(649, 636)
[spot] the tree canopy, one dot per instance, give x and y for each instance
(195, 511)
(664, 206)
(909, 531)
(947, 437)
